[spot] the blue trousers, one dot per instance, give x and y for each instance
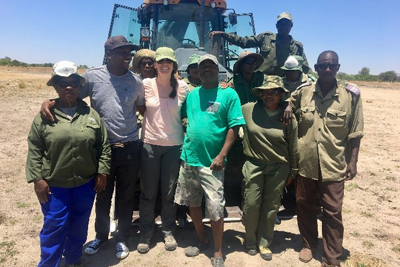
(65, 226)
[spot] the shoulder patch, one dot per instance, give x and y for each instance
(353, 88)
(303, 85)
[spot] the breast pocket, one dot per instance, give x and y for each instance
(265, 51)
(90, 130)
(335, 118)
(307, 115)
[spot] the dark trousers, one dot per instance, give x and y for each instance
(331, 195)
(160, 165)
(123, 175)
(65, 226)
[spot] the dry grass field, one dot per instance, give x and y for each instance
(371, 205)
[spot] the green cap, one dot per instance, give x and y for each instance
(293, 63)
(270, 82)
(285, 15)
(193, 60)
(165, 53)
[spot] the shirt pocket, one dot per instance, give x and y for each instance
(265, 51)
(335, 118)
(307, 115)
(90, 130)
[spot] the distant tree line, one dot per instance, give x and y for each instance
(6, 61)
(364, 75)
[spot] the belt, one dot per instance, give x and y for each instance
(122, 144)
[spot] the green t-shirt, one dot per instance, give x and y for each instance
(211, 112)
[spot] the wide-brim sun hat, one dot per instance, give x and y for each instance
(271, 82)
(293, 63)
(243, 56)
(141, 54)
(165, 53)
(65, 69)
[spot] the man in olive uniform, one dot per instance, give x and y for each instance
(294, 76)
(330, 130)
(275, 48)
(193, 78)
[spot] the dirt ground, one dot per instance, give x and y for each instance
(371, 206)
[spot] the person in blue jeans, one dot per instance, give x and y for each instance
(68, 161)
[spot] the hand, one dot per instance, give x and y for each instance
(287, 115)
(100, 182)
(218, 163)
(289, 181)
(225, 85)
(42, 189)
(215, 33)
(351, 171)
(45, 112)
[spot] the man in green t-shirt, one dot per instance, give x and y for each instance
(214, 118)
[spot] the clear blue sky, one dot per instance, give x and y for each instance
(363, 33)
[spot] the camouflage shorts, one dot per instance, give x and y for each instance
(195, 181)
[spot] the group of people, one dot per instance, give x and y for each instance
(76, 151)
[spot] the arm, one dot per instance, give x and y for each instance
(219, 161)
(243, 42)
(351, 170)
(45, 111)
(104, 158)
(141, 109)
(292, 140)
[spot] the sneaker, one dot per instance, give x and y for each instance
(170, 243)
(305, 255)
(122, 250)
(143, 246)
(193, 251)
(217, 262)
(251, 251)
(94, 246)
(265, 253)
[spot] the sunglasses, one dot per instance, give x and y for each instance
(73, 84)
(169, 61)
(327, 65)
(269, 92)
(150, 63)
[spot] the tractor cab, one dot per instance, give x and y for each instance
(184, 25)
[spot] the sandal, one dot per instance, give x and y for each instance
(217, 262)
(193, 251)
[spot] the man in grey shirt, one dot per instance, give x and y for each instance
(115, 93)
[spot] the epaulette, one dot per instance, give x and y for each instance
(307, 83)
(352, 88)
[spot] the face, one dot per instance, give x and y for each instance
(147, 68)
(208, 72)
(248, 65)
(284, 26)
(292, 75)
(193, 71)
(119, 58)
(164, 66)
(327, 66)
(67, 89)
(271, 98)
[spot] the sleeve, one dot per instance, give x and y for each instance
(357, 119)
(294, 99)
(235, 115)
(85, 89)
(103, 150)
(292, 139)
(303, 55)
(245, 42)
(140, 101)
(36, 150)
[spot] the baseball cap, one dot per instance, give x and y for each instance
(293, 63)
(165, 53)
(243, 56)
(64, 69)
(193, 59)
(285, 15)
(209, 57)
(271, 82)
(117, 42)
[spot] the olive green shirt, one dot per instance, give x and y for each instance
(326, 124)
(267, 139)
(70, 151)
(190, 83)
(274, 54)
(245, 90)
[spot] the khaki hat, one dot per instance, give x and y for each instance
(285, 15)
(243, 56)
(65, 69)
(293, 63)
(165, 53)
(193, 60)
(141, 54)
(208, 57)
(270, 82)
(117, 42)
